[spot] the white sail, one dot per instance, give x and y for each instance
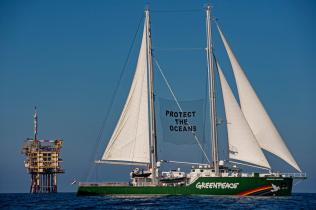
(242, 143)
(255, 114)
(130, 139)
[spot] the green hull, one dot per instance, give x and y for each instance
(260, 186)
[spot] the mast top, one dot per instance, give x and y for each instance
(147, 11)
(208, 7)
(147, 8)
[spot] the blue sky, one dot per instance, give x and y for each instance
(66, 57)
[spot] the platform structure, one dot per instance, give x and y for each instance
(43, 162)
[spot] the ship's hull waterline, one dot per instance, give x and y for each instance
(242, 186)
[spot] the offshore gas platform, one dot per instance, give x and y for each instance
(43, 161)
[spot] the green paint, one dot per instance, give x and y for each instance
(211, 186)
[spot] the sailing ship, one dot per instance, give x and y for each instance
(249, 127)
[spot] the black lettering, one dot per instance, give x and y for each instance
(181, 122)
(171, 113)
(193, 114)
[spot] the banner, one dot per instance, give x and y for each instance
(179, 127)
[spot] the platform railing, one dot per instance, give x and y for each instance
(294, 175)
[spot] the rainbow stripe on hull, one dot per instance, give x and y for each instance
(265, 190)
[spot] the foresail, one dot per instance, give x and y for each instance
(243, 145)
(130, 139)
(255, 114)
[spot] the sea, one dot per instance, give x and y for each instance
(71, 201)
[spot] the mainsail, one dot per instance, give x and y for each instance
(255, 114)
(243, 145)
(130, 139)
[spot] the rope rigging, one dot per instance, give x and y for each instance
(177, 11)
(179, 49)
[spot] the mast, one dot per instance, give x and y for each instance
(152, 133)
(211, 87)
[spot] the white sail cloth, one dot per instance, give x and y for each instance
(243, 145)
(255, 114)
(130, 139)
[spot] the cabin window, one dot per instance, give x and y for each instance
(201, 170)
(193, 170)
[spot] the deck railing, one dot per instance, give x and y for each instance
(104, 184)
(295, 175)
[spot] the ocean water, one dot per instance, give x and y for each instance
(71, 201)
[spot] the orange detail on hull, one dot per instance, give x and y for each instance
(248, 192)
